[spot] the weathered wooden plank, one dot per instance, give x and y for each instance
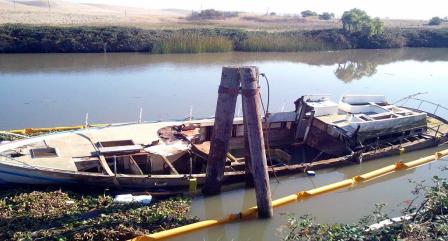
(134, 166)
(248, 166)
(169, 164)
(222, 129)
(105, 167)
(250, 100)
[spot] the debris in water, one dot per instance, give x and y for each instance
(129, 198)
(311, 173)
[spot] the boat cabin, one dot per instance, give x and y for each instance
(355, 121)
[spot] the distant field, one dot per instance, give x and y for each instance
(29, 26)
(63, 13)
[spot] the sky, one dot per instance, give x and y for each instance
(397, 9)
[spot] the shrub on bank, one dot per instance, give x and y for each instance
(45, 39)
(427, 38)
(435, 21)
(210, 14)
(308, 13)
(326, 16)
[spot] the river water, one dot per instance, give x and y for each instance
(343, 206)
(40, 90)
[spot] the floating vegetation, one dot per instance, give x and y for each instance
(67, 215)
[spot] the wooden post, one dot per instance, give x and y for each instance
(222, 130)
(251, 108)
(247, 163)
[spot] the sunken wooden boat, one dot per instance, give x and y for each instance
(317, 134)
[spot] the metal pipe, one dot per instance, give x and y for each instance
(421, 102)
(437, 131)
(437, 107)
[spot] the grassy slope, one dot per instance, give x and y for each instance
(77, 27)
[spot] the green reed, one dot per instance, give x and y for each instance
(192, 43)
(276, 42)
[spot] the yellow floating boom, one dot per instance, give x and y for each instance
(251, 212)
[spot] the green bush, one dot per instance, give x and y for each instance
(308, 13)
(326, 16)
(435, 21)
(212, 14)
(357, 20)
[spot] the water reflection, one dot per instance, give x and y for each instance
(39, 90)
(350, 71)
(351, 64)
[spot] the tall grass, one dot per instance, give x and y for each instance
(192, 43)
(275, 42)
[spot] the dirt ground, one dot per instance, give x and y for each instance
(64, 13)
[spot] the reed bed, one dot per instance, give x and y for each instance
(281, 43)
(192, 43)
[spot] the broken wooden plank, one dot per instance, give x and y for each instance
(203, 150)
(133, 166)
(169, 164)
(105, 167)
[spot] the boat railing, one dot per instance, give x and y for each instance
(424, 105)
(435, 110)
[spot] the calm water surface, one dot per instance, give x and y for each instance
(39, 90)
(343, 206)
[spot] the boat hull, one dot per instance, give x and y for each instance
(12, 174)
(24, 175)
